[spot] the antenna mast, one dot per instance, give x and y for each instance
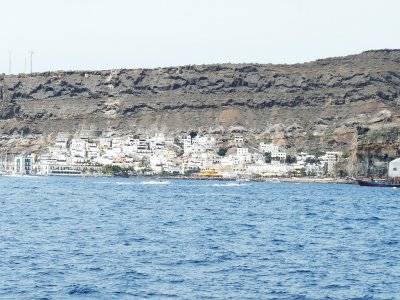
(31, 54)
(9, 62)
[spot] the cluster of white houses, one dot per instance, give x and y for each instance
(159, 154)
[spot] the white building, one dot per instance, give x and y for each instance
(62, 141)
(203, 141)
(92, 150)
(302, 157)
(227, 161)
(158, 162)
(78, 148)
(239, 140)
(129, 150)
(242, 151)
(143, 146)
(274, 150)
(269, 169)
(271, 148)
(394, 168)
(193, 149)
(278, 155)
(23, 165)
(105, 142)
(319, 169)
(330, 157)
(118, 142)
(257, 158)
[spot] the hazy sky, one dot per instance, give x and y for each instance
(106, 34)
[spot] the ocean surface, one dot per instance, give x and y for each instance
(113, 238)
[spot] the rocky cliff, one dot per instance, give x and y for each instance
(347, 103)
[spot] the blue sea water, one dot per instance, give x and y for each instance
(112, 238)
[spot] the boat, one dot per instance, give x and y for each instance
(379, 183)
(391, 181)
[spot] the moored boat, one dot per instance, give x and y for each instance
(377, 183)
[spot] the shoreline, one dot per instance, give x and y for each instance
(153, 177)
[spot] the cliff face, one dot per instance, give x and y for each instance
(347, 103)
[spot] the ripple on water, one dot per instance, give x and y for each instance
(96, 238)
(82, 290)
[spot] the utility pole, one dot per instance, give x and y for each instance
(9, 62)
(5, 165)
(31, 54)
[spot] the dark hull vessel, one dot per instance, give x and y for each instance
(378, 183)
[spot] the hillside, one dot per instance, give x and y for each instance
(346, 103)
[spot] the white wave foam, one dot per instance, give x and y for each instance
(228, 184)
(116, 182)
(156, 182)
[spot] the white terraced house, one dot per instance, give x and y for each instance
(269, 148)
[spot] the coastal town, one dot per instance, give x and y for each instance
(94, 153)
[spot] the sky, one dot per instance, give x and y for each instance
(111, 34)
